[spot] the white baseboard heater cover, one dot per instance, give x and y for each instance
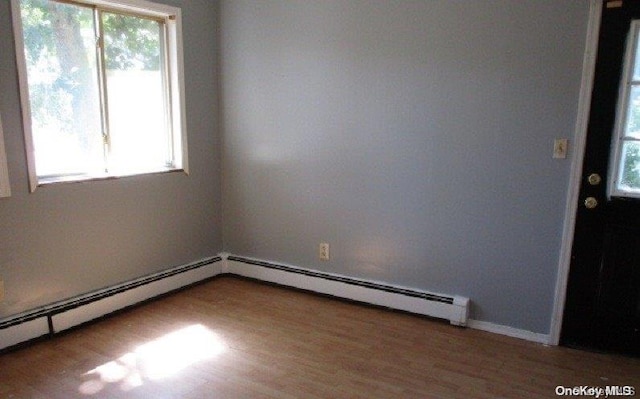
(81, 309)
(452, 308)
(72, 312)
(23, 330)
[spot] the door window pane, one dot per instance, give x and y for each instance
(630, 167)
(632, 130)
(636, 63)
(625, 173)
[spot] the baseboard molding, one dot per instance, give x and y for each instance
(72, 312)
(368, 292)
(158, 285)
(452, 308)
(509, 331)
(75, 311)
(24, 331)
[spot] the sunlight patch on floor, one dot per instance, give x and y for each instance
(155, 360)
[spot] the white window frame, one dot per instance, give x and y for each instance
(622, 113)
(172, 17)
(5, 187)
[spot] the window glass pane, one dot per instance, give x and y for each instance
(59, 43)
(630, 167)
(633, 113)
(139, 138)
(636, 63)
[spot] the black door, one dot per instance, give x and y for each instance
(602, 310)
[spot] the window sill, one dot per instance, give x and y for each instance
(83, 178)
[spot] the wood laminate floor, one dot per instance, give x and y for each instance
(234, 338)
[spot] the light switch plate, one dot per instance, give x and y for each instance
(560, 148)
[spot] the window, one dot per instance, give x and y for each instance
(625, 181)
(101, 87)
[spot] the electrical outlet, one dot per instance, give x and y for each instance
(323, 251)
(560, 148)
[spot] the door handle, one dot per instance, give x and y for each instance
(590, 202)
(594, 179)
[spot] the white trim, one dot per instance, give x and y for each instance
(224, 264)
(23, 332)
(508, 331)
(455, 312)
(173, 20)
(571, 206)
(5, 186)
(23, 84)
(137, 6)
(176, 79)
(376, 297)
(83, 308)
(93, 310)
(618, 137)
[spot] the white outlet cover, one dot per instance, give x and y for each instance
(323, 251)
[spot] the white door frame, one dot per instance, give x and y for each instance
(571, 206)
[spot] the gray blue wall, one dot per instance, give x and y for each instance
(68, 239)
(413, 136)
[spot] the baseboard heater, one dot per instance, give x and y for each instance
(452, 308)
(68, 313)
(72, 312)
